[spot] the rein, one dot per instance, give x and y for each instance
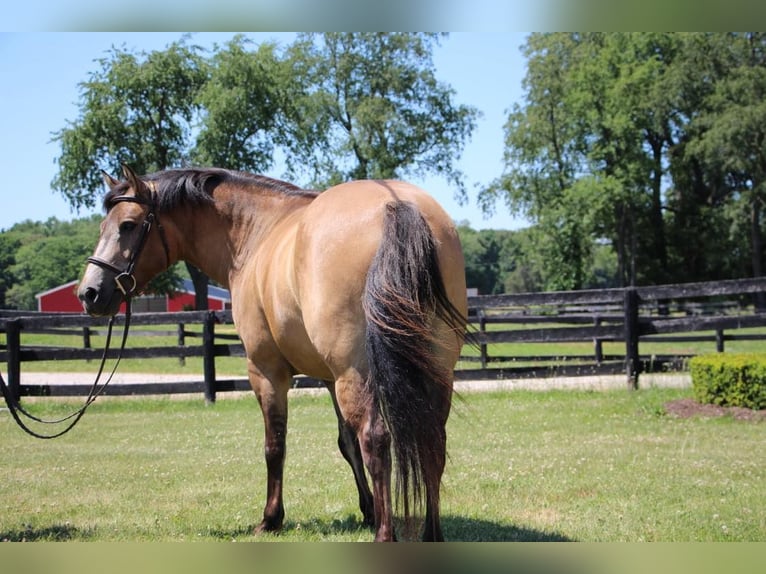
(17, 411)
(126, 283)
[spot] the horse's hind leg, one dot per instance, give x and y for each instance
(437, 457)
(375, 441)
(349, 448)
(432, 531)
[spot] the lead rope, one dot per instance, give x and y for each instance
(17, 410)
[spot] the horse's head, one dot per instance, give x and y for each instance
(132, 247)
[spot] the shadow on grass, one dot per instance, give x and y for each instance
(462, 529)
(456, 529)
(312, 529)
(54, 533)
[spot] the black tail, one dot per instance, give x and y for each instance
(404, 292)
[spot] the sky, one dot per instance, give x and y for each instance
(40, 73)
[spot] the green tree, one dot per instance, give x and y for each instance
(543, 157)
(45, 255)
(138, 109)
(244, 105)
(339, 106)
(620, 139)
(8, 247)
(490, 256)
(369, 105)
(729, 133)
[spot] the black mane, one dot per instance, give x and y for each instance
(194, 186)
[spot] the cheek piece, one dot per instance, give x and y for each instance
(124, 278)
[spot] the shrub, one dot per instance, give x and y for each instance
(737, 380)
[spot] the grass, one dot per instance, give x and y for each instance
(529, 466)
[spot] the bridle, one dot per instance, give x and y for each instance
(125, 280)
(126, 283)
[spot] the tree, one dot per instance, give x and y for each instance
(651, 142)
(243, 105)
(137, 109)
(368, 105)
(8, 247)
(45, 255)
(543, 157)
(730, 133)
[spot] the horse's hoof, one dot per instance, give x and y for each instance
(267, 526)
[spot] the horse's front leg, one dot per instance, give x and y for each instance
(272, 396)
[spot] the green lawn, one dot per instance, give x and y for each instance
(529, 466)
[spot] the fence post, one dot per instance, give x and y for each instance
(181, 343)
(719, 340)
(632, 358)
(483, 345)
(208, 344)
(13, 341)
(598, 347)
(86, 343)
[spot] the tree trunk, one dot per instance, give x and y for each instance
(657, 221)
(756, 239)
(200, 281)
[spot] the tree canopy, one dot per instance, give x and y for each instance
(372, 108)
(652, 142)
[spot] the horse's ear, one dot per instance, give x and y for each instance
(139, 187)
(109, 180)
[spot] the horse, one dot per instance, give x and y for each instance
(361, 286)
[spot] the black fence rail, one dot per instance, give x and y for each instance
(692, 312)
(632, 316)
(211, 346)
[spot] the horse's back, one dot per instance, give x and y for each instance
(339, 236)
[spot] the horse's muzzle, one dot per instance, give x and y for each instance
(98, 303)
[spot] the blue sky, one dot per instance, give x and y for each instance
(40, 73)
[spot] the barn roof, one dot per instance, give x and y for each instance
(57, 288)
(213, 292)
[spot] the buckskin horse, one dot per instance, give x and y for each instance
(361, 286)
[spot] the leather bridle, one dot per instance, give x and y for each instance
(124, 278)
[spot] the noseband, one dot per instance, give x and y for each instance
(124, 278)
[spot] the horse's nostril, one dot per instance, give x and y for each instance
(89, 295)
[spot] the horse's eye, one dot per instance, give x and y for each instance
(127, 226)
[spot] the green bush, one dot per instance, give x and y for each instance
(737, 380)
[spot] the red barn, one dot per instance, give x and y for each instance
(218, 299)
(63, 299)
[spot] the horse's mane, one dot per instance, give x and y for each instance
(194, 186)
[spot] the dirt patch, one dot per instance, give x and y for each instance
(685, 408)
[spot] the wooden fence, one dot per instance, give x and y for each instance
(631, 316)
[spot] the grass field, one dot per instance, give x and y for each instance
(524, 466)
